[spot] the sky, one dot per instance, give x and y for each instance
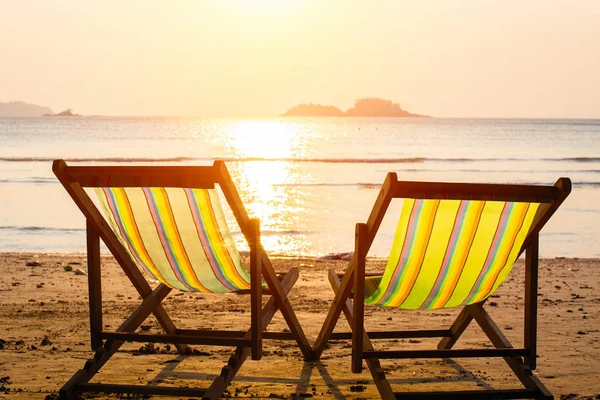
(237, 58)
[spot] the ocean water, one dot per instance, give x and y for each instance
(309, 180)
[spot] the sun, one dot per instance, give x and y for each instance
(262, 139)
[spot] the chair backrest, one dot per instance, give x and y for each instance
(177, 235)
(456, 243)
(166, 221)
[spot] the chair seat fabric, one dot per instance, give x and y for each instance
(448, 253)
(179, 236)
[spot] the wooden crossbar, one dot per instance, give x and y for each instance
(475, 191)
(461, 353)
(234, 334)
(175, 339)
(144, 176)
(433, 333)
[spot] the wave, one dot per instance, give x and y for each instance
(383, 160)
(586, 184)
(274, 232)
(34, 180)
(40, 229)
(574, 159)
(101, 159)
(329, 184)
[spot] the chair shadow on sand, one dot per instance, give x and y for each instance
(335, 388)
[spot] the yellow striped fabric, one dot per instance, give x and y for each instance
(179, 236)
(448, 253)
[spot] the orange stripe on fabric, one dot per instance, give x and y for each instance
(135, 236)
(173, 242)
(225, 261)
(415, 261)
(458, 264)
(502, 257)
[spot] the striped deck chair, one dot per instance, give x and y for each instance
(455, 244)
(167, 222)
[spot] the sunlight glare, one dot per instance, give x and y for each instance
(264, 171)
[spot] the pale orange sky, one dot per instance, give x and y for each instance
(447, 58)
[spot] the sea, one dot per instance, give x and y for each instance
(309, 180)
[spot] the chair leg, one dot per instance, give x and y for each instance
(255, 291)
(377, 372)
(498, 339)
(240, 355)
(284, 305)
(342, 293)
(358, 329)
(110, 347)
(461, 323)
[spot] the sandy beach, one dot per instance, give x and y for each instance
(44, 334)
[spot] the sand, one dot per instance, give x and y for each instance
(45, 336)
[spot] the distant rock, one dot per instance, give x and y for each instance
(367, 107)
(21, 109)
(67, 113)
(374, 107)
(313, 110)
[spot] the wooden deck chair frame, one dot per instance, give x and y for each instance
(350, 293)
(105, 343)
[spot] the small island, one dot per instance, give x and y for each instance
(367, 107)
(66, 113)
(22, 109)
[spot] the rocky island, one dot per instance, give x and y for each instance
(22, 109)
(367, 107)
(66, 113)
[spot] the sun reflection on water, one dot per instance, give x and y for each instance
(265, 180)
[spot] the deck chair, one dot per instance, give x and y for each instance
(167, 222)
(455, 244)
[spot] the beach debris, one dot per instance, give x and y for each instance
(568, 396)
(68, 268)
(39, 285)
(2, 344)
(79, 271)
(148, 348)
(33, 264)
(4, 382)
(15, 283)
(337, 256)
(45, 341)
(358, 388)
